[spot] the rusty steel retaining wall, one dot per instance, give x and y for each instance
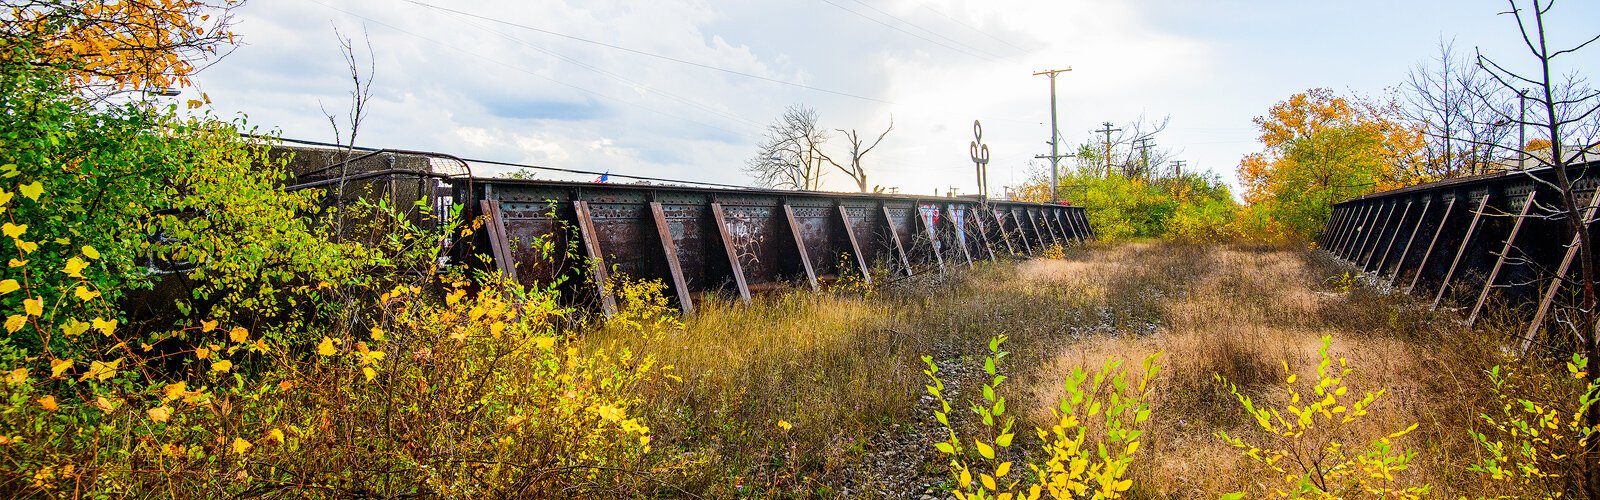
(702, 240)
(1495, 243)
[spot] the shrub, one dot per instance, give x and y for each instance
(1530, 442)
(1107, 409)
(1306, 451)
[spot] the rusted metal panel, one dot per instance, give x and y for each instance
(705, 240)
(496, 227)
(1378, 235)
(1399, 229)
(731, 250)
(894, 235)
(597, 262)
(1500, 263)
(669, 249)
(859, 258)
(1422, 221)
(1477, 216)
(800, 246)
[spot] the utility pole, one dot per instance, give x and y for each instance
(1177, 174)
(1522, 130)
(1055, 132)
(1107, 130)
(1144, 156)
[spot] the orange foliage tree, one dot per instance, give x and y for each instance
(109, 46)
(1320, 148)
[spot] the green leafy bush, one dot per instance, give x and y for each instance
(1086, 452)
(1306, 451)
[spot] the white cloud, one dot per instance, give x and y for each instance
(477, 88)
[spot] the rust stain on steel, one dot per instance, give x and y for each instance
(855, 246)
(669, 248)
(597, 262)
(701, 240)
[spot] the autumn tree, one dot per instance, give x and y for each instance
(105, 47)
(1321, 148)
(791, 156)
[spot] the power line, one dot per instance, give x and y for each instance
(624, 79)
(523, 70)
(973, 28)
(651, 54)
(925, 30)
(899, 29)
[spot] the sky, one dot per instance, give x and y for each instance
(684, 89)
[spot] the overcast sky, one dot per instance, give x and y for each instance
(685, 88)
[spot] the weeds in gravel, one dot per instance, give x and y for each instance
(1085, 453)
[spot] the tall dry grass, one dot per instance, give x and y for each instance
(841, 370)
(1243, 314)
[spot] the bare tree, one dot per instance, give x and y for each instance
(360, 93)
(856, 171)
(1459, 108)
(1563, 109)
(1133, 151)
(791, 157)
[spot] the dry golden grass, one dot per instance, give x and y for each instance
(1244, 315)
(843, 369)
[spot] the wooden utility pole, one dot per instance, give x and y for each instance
(1055, 131)
(1107, 130)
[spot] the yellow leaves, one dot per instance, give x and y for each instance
(610, 413)
(105, 405)
(8, 286)
(104, 326)
(202, 353)
(241, 446)
(984, 449)
(90, 252)
(174, 390)
(325, 348)
(1002, 470)
(5, 199)
(31, 191)
(73, 328)
(17, 263)
(369, 373)
(33, 306)
(988, 482)
(17, 376)
(59, 366)
(101, 371)
(74, 267)
(454, 297)
(545, 343)
(207, 326)
(159, 414)
(84, 293)
(15, 322)
(13, 230)
(274, 436)
(222, 366)
(785, 425)
(239, 335)
(48, 403)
